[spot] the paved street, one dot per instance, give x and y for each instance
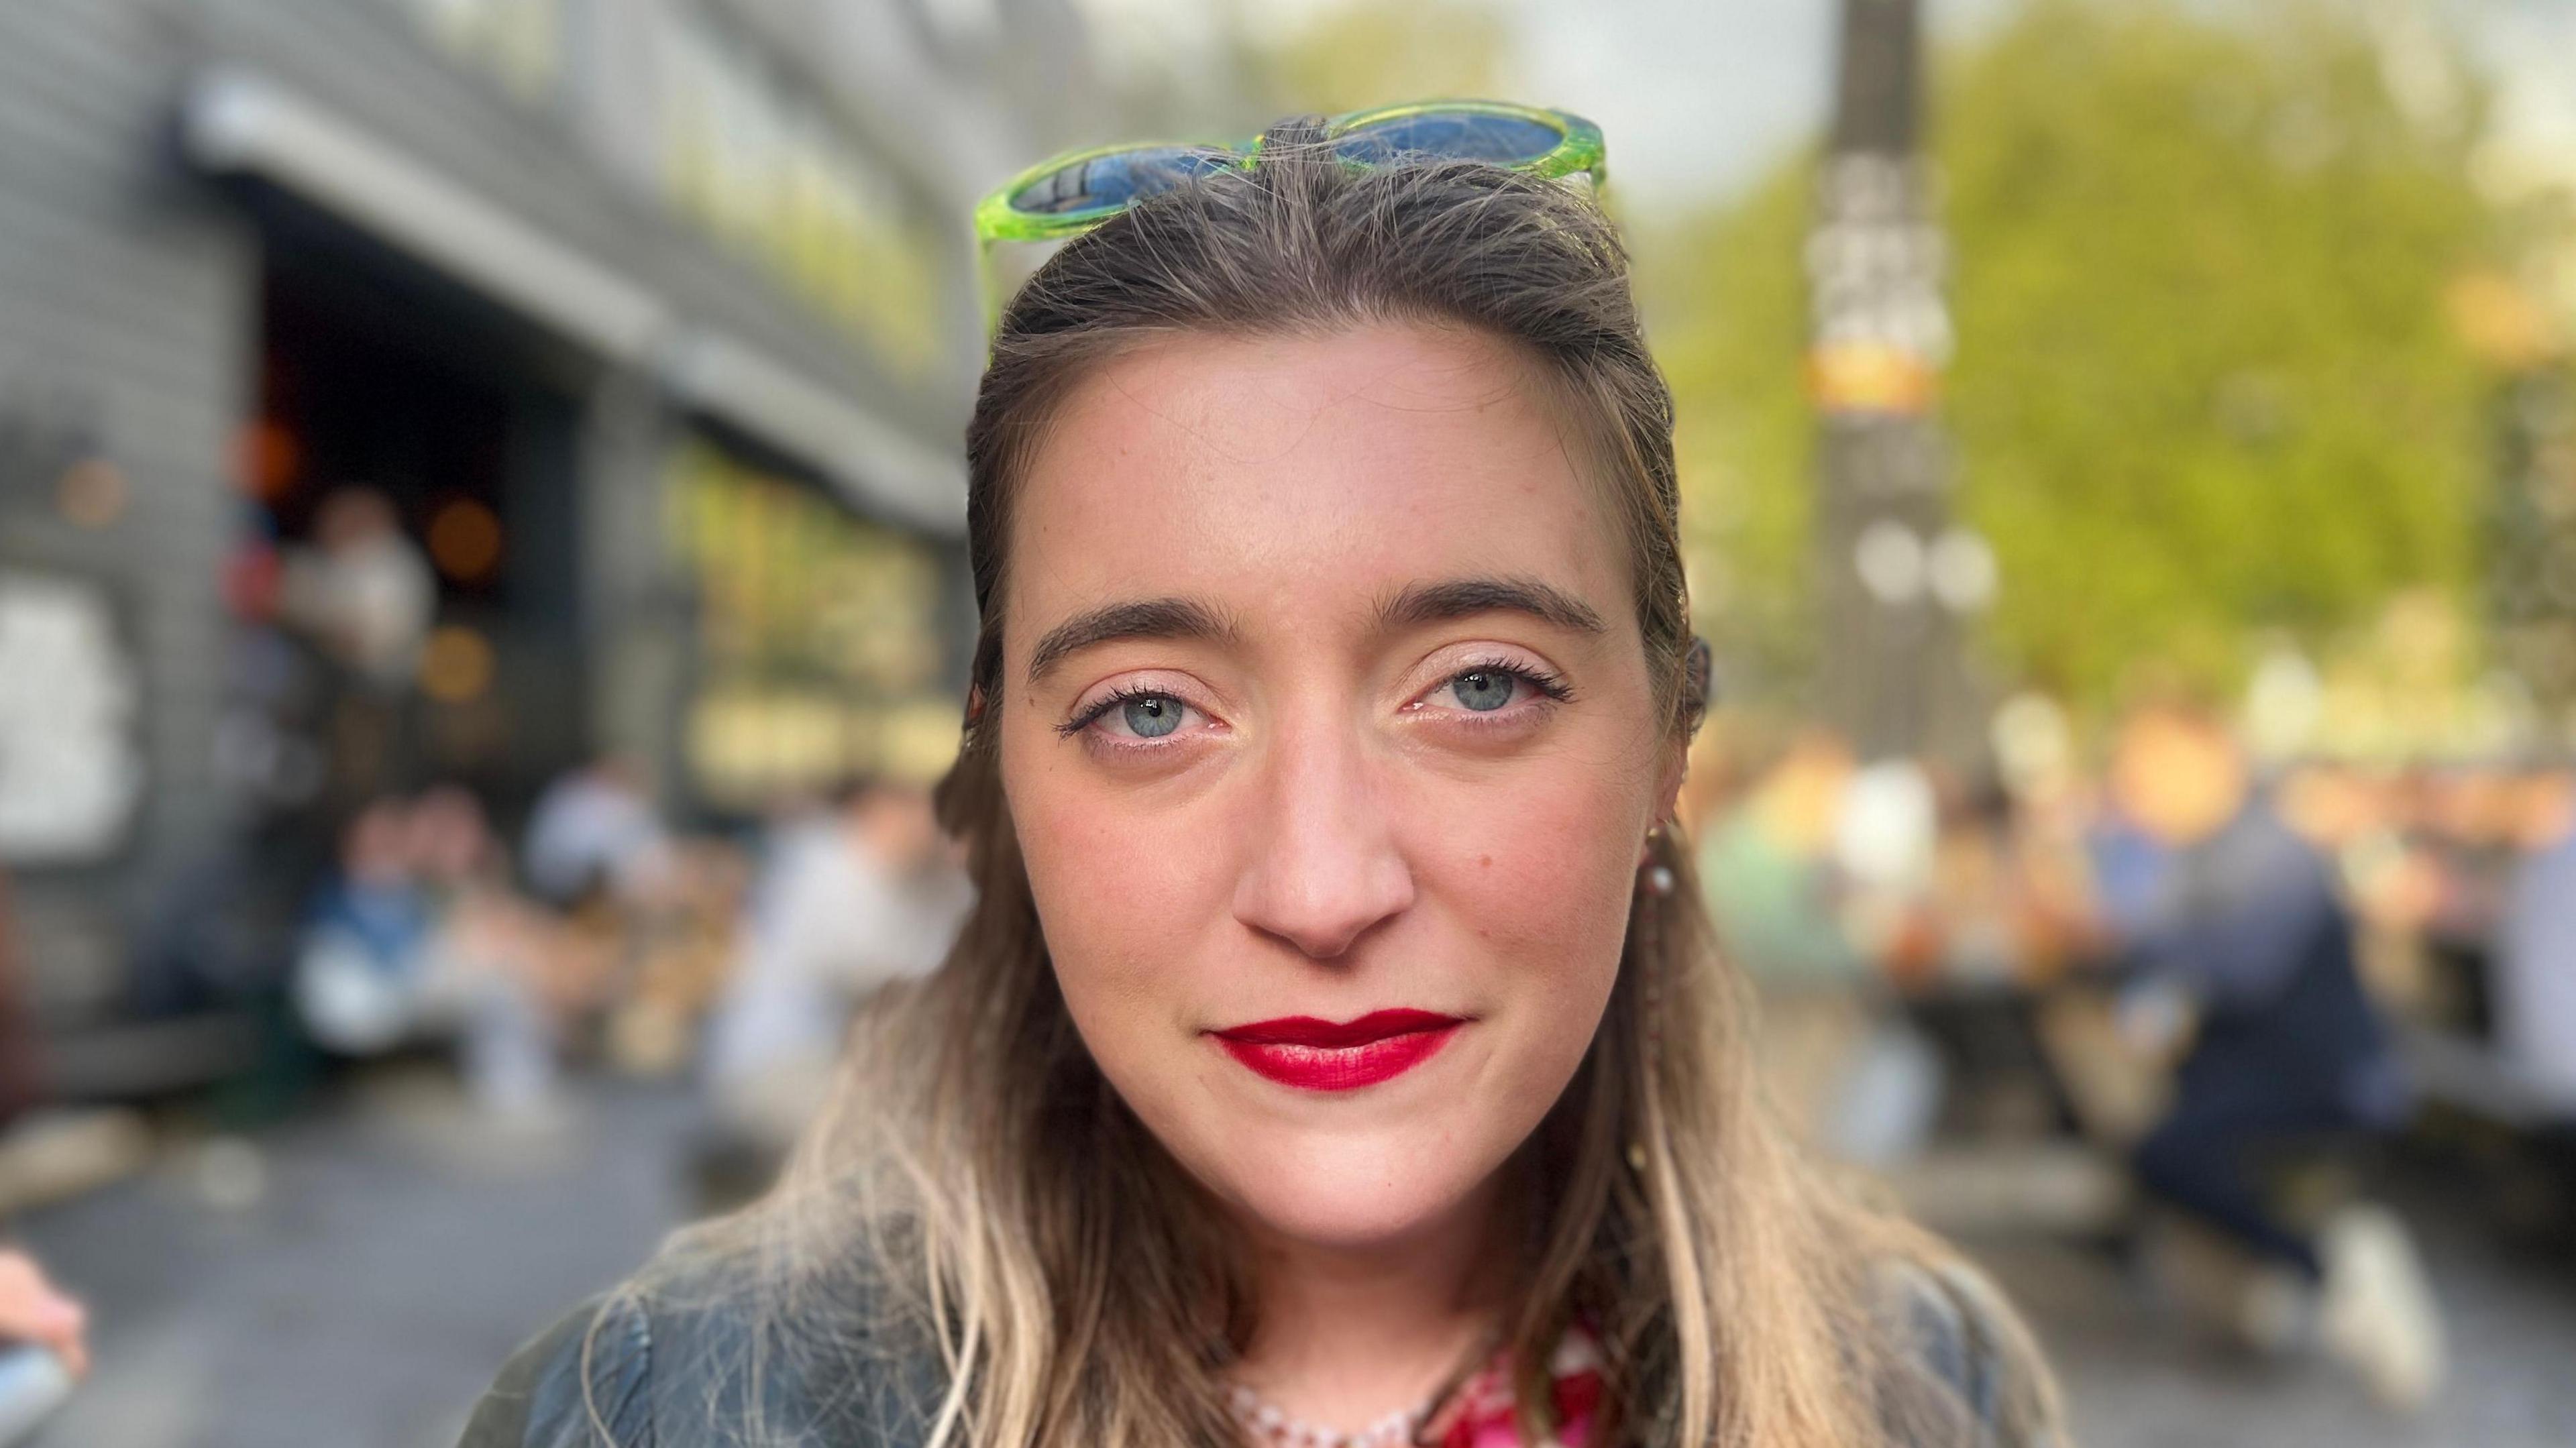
(394, 1255)
(2135, 1379)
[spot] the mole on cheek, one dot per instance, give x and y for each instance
(1485, 862)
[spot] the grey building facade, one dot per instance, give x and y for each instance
(523, 253)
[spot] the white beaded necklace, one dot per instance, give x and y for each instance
(1271, 1425)
(1268, 1425)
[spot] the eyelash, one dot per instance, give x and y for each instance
(1112, 700)
(1550, 685)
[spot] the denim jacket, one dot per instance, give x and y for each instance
(639, 1369)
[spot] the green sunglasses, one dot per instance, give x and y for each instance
(1062, 198)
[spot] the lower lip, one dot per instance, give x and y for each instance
(1340, 1068)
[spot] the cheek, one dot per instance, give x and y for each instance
(1554, 856)
(1540, 899)
(1115, 898)
(1540, 911)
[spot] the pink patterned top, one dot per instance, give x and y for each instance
(1480, 1413)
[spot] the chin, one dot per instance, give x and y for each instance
(1337, 1189)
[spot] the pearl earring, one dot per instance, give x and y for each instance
(1658, 877)
(1658, 882)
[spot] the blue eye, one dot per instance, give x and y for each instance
(1151, 716)
(1484, 690)
(1489, 686)
(1130, 715)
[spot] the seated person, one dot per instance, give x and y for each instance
(36, 1315)
(2231, 927)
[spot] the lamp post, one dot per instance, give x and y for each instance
(1897, 578)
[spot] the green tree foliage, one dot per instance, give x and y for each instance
(1370, 55)
(2205, 381)
(1727, 313)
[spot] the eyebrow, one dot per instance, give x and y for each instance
(1417, 604)
(1423, 603)
(1151, 618)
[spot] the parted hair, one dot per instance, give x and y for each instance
(981, 1187)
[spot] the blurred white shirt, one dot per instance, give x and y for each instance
(831, 924)
(587, 832)
(372, 600)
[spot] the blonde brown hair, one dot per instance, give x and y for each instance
(981, 1188)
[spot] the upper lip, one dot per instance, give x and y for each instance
(1337, 1035)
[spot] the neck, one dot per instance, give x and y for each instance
(1348, 1334)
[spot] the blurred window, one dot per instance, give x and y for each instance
(517, 42)
(765, 168)
(70, 772)
(740, 147)
(820, 653)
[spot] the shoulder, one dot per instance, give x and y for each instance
(2261, 844)
(584, 1381)
(1960, 1366)
(712, 1358)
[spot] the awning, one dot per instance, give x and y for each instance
(894, 472)
(237, 123)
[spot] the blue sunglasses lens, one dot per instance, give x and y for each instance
(1105, 183)
(1449, 136)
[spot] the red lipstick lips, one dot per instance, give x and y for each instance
(1315, 1055)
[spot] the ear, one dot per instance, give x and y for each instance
(1668, 779)
(1699, 692)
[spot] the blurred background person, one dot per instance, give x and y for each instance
(363, 596)
(853, 897)
(361, 590)
(44, 1346)
(2536, 944)
(418, 938)
(34, 1312)
(595, 834)
(2242, 962)
(1809, 877)
(1767, 865)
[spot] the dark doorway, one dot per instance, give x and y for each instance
(370, 383)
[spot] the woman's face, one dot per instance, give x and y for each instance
(1329, 741)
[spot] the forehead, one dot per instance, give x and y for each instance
(1306, 476)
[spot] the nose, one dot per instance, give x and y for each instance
(1325, 865)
